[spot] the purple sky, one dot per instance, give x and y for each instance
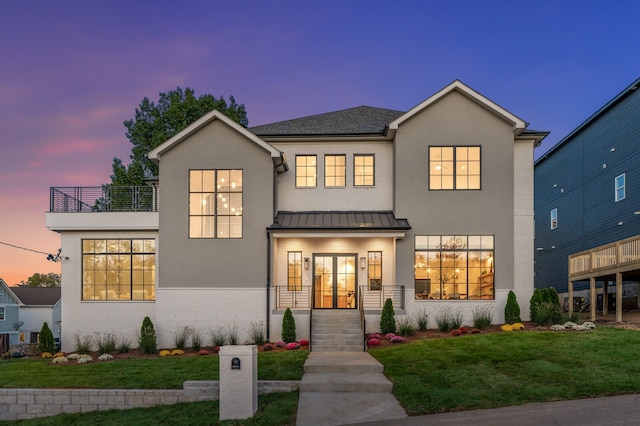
(72, 71)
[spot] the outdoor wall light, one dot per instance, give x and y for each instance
(363, 262)
(306, 263)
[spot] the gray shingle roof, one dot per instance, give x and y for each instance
(340, 220)
(362, 120)
(37, 296)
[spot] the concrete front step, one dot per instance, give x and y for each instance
(336, 331)
(341, 382)
(344, 348)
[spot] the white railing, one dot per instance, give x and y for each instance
(301, 298)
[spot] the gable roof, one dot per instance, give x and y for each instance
(38, 296)
(157, 152)
(4, 287)
(589, 121)
(458, 86)
(362, 120)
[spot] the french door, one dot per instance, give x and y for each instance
(334, 284)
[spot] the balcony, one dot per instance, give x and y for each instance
(104, 198)
(620, 256)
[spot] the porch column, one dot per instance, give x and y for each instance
(618, 296)
(570, 298)
(592, 296)
(605, 298)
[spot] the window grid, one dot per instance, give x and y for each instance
(306, 171)
(118, 269)
(215, 203)
(454, 168)
(375, 270)
(294, 271)
(363, 170)
(335, 170)
(2, 313)
(620, 187)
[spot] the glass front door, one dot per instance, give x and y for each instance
(334, 284)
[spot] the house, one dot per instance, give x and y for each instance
(587, 209)
(37, 306)
(332, 213)
(9, 317)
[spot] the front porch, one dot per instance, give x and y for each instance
(617, 261)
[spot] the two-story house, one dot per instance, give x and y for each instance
(432, 208)
(9, 317)
(587, 208)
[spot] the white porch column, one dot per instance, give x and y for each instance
(592, 296)
(618, 296)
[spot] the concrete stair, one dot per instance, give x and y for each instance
(336, 330)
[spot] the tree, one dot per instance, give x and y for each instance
(288, 327)
(147, 341)
(42, 280)
(387, 319)
(154, 124)
(512, 309)
(46, 342)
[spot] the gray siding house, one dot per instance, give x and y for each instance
(330, 214)
(9, 317)
(587, 209)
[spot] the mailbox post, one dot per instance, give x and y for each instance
(238, 381)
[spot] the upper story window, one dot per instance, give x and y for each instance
(554, 218)
(1, 313)
(118, 269)
(454, 167)
(363, 170)
(294, 271)
(306, 171)
(215, 204)
(335, 170)
(620, 187)
(375, 270)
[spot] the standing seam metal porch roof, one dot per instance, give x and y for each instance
(340, 220)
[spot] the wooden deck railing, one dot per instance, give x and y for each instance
(610, 256)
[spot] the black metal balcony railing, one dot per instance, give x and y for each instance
(104, 198)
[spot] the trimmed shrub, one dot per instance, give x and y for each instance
(535, 300)
(46, 343)
(512, 309)
(387, 319)
(288, 327)
(147, 342)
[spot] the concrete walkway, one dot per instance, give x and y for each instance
(340, 388)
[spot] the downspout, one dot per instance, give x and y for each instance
(268, 282)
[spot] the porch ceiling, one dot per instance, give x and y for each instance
(340, 220)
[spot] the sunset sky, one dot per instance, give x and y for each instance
(72, 71)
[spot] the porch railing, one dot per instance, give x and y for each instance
(302, 298)
(609, 256)
(106, 198)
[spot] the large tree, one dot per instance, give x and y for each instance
(42, 280)
(155, 123)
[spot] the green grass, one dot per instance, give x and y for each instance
(139, 373)
(501, 369)
(273, 409)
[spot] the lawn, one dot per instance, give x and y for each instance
(501, 369)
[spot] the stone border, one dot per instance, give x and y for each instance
(18, 404)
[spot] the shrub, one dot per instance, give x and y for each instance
(406, 327)
(373, 342)
(147, 341)
(257, 333)
(292, 345)
(456, 333)
(106, 342)
(545, 313)
(518, 326)
(203, 352)
(507, 327)
(177, 352)
(304, 342)
(60, 360)
(232, 334)
(105, 357)
(217, 336)
(181, 336)
(280, 344)
(422, 320)
(45, 355)
(124, 345)
(83, 344)
(375, 336)
(448, 320)
(196, 340)
(267, 347)
(387, 319)
(46, 343)
(388, 336)
(397, 339)
(512, 309)
(288, 327)
(84, 358)
(481, 315)
(164, 353)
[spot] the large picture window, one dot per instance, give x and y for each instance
(335, 170)
(454, 167)
(306, 171)
(118, 269)
(294, 271)
(215, 204)
(454, 267)
(364, 170)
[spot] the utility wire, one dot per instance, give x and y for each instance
(23, 248)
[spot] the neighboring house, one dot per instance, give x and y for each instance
(432, 207)
(9, 317)
(587, 207)
(38, 305)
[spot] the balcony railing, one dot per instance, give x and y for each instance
(371, 299)
(104, 198)
(609, 256)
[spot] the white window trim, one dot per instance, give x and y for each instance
(554, 218)
(623, 187)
